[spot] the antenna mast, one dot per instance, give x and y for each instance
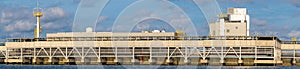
(37, 12)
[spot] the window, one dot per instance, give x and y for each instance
(227, 30)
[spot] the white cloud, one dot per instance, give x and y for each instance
(102, 18)
(10, 15)
(52, 14)
(4, 20)
(54, 18)
(295, 3)
(294, 34)
(141, 27)
(88, 3)
(259, 22)
(19, 26)
(53, 26)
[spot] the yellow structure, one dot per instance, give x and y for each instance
(38, 14)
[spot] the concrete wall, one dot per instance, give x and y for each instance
(230, 29)
(167, 43)
(107, 34)
(290, 46)
(2, 47)
(235, 29)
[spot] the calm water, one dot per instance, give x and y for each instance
(3, 66)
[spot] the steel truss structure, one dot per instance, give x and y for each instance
(184, 51)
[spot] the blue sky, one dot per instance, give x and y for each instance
(267, 16)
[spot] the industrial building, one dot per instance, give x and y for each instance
(236, 22)
(229, 43)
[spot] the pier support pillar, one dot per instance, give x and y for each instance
(203, 61)
(185, 61)
(82, 59)
(132, 60)
(63, 61)
(115, 60)
(168, 60)
(240, 61)
(6, 60)
(34, 60)
(99, 60)
(222, 61)
(66, 60)
(50, 59)
(150, 60)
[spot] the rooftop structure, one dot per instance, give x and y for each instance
(236, 22)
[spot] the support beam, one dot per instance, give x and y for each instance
(168, 59)
(133, 57)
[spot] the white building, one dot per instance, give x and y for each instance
(236, 22)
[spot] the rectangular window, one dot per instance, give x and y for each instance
(227, 30)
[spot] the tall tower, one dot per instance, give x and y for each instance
(37, 12)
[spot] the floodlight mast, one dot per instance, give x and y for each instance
(37, 12)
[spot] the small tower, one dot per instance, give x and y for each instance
(37, 12)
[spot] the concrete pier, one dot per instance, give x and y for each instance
(246, 51)
(248, 62)
(231, 62)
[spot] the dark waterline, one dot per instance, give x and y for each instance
(4, 66)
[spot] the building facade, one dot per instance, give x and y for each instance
(236, 22)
